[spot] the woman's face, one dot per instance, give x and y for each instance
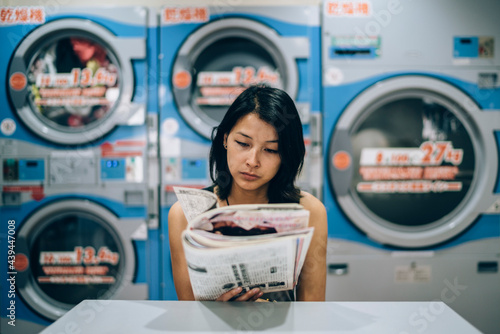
(252, 153)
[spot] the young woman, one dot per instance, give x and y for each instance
(257, 152)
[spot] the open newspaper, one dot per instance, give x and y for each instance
(251, 245)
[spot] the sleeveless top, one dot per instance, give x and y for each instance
(279, 296)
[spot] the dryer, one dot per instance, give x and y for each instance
(208, 55)
(73, 143)
(67, 248)
(73, 74)
(411, 132)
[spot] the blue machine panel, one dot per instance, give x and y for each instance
(194, 168)
(113, 169)
(466, 47)
(31, 170)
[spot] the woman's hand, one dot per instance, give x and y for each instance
(251, 295)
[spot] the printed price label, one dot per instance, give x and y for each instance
(220, 88)
(83, 265)
(87, 255)
(411, 170)
(429, 153)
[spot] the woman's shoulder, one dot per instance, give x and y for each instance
(310, 202)
(176, 214)
(175, 208)
(317, 213)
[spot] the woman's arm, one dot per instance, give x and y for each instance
(312, 280)
(176, 224)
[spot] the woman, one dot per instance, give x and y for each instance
(257, 152)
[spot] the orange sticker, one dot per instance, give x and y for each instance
(341, 160)
(21, 262)
(18, 81)
(182, 79)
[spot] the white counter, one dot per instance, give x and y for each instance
(121, 317)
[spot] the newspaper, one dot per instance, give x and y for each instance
(250, 245)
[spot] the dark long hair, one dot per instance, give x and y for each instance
(273, 106)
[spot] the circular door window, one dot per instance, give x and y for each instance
(75, 252)
(67, 82)
(220, 59)
(414, 159)
(73, 82)
(415, 155)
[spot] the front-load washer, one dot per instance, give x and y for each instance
(73, 143)
(411, 136)
(209, 53)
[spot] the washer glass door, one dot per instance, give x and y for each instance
(404, 160)
(73, 252)
(217, 62)
(71, 81)
(75, 257)
(409, 156)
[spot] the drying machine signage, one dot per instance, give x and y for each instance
(83, 265)
(79, 255)
(76, 279)
(220, 88)
(348, 8)
(173, 15)
(75, 78)
(411, 170)
(429, 153)
(239, 76)
(22, 15)
(408, 187)
(77, 88)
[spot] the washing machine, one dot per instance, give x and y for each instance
(411, 139)
(209, 54)
(74, 156)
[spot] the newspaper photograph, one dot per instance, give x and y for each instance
(248, 246)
